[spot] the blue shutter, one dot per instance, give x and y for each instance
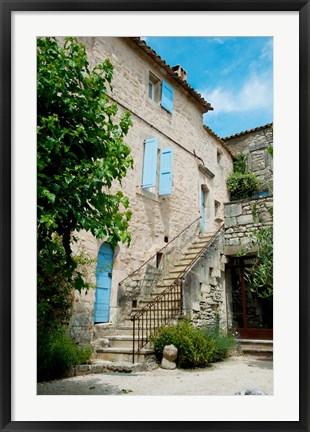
(165, 179)
(167, 94)
(150, 163)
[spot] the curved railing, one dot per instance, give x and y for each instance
(164, 308)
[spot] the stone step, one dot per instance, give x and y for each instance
(206, 234)
(202, 241)
(123, 354)
(175, 273)
(158, 292)
(190, 255)
(154, 316)
(170, 300)
(256, 347)
(195, 248)
(168, 280)
(180, 267)
(120, 341)
(155, 325)
(114, 331)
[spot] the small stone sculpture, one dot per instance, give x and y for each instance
(169, 355)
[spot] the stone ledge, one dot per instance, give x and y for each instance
(234, 250)
(102, 366)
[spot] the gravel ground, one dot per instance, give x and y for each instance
(224, 378)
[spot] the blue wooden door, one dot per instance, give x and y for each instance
(103, 283)
(202, 222)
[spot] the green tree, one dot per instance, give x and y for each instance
(260, 274)
(81, 152)
(80, 147)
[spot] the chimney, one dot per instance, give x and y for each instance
(180, 71)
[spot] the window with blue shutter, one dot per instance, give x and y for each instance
(165, 179)
(167, 94)
(150, 163)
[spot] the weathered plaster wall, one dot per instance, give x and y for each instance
(254, 145)
(154, 216)
(244, 217)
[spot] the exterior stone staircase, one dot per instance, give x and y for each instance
(115, 343)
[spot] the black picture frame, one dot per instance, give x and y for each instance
(7, 7)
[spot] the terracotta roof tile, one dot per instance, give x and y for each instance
(148, 50)
(220, 140)
(247, 132)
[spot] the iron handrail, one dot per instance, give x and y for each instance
(153, 256)
(159, 298)
(181, 275)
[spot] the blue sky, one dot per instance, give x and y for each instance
(234, 74)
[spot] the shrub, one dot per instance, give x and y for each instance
(242, 186)
(240, 163)
(224, 342)
(196, 347)
(57, 353)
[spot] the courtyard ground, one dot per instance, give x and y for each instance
(223, 378)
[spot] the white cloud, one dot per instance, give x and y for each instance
(218, 40)
(264, 58)
(267, 51)
(255, 94)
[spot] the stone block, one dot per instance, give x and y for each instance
(245, 219)
(230, 222)
(245, 241)
(196, 306)
(212, 281)
(205, 288)
(231, 210)
(265, 216)
(82, 370)
(224, 259)
(96, 368)
(234, 242)
(216, 272)
(102, 342)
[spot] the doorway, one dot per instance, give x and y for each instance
(252, 316)
(203, 205)
(103, 284)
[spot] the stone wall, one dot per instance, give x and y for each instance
(204, 287)
(254, 144)
(244, 217)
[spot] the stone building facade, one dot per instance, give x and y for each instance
(177, 193)
(248, 313)
(254, 143)
(167, 134)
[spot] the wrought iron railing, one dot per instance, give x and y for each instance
(164, 308)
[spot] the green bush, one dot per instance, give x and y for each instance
(224, 342)
(196, 347)
(240, 163)
(242, 186)
(57, 353)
